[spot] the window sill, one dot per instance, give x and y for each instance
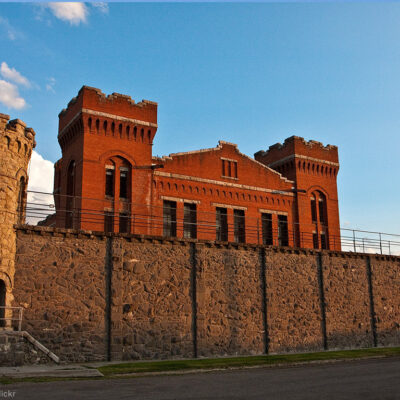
(229, 177)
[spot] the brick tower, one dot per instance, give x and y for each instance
(16, 144)
(106, 144)
(313, 167)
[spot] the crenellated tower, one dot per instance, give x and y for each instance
(106, 144)
(16, 144)
(314, 168)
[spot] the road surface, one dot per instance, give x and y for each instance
(367, 380)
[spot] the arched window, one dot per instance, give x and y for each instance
(120, 130)
(117, 178)
(124, 180)
(105, 127)
(71, 179)
(113, 128)
(97, 126)
(110, 179)
(90, 123)
(134, 132)
(319, 217)
(313, 209)
(128, 128)
(21, 200)
(322, 208)
(142, 134)
(2, 303)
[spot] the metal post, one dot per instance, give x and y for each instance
(363, 245)
(380, 241)
(389, 247)
(258, 232)
(354, 241)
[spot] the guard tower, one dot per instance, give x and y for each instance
(313, 167)
(106, 144)
(16, 144)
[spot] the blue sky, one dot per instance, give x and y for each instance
(252, 74)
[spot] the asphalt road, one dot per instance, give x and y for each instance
(369, 379)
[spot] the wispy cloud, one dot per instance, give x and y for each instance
(74, 13)
(13, 75)
(9, 30)
(101, 6)
(10, 97)
(50, 85)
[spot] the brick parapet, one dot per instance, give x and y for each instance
(115, 104)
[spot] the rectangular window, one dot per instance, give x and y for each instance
(283, 231)
(109, 222)
(321, 207)
(123, 183)
(267, 234)
(324, 242)
(124, 223)
(169, 218)
(239, 226)
(315, 241)
(189, 221)
(109, 182)
(222, 224)
(229, 168)
(313, 210)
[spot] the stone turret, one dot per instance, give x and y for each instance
(16, 144)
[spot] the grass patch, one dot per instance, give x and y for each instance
(236, 362)
(123, 370)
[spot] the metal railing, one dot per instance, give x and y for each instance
(11, 317)
(103, 215)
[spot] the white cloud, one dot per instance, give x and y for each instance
(10, 97)
(13, 75)
(41, 174)
(41, 178)
(74, 13)
(9, 30)
(50, 85)
(101, 6)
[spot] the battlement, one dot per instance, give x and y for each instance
(298, 146)
(93, 100)
(16, 130)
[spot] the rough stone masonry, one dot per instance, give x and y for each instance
(93, 296)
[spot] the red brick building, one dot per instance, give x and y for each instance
(107, 179)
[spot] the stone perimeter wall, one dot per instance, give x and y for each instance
(89, 296)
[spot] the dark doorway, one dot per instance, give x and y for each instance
(2, 303)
